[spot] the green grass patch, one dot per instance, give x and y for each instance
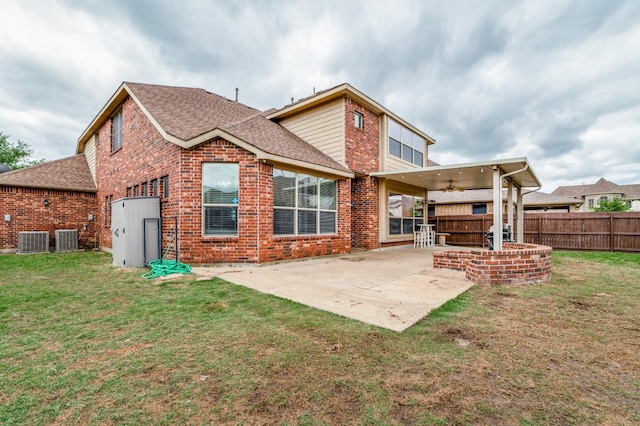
(84, 342)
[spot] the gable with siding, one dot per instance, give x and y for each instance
(322, 127)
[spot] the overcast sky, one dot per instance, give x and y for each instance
(555, 81)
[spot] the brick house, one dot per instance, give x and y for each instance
(479, 201)
(57, 195)
(590, 195)
(253, 186)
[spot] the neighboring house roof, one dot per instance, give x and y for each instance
(631, 191)
(535, 198)
(190, 116)
(602, 186)
(336, 92)
(70, 174)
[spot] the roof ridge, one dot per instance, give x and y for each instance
(241, 120)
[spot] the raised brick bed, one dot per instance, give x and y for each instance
(517, 263)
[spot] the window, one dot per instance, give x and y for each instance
(591, 203)
(358, 120)
(136, 190)
(154, 187)
(129, 191)
(406, 213)
(479, 208)
(143, 189)
(107, 209)
(116, 131)
(405, 144)
(164, 181)
(303, 204)
(220, 198)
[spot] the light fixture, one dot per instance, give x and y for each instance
(481, 169)
(46, 202)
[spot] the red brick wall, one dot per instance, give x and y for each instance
(66, 210)
(362, 146)
(365, 220)
(145, 155)
(363, 156)
(255, 241)
(517, 263)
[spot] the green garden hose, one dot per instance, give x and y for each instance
(163, 267)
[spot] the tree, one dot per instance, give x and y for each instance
(615, 205)
(15, 155)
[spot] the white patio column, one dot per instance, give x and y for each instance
(497, 209)
(510, 206)
(520, 232)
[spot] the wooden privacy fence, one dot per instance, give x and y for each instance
(618, 231)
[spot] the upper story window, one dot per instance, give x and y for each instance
(590, 203)
(116, 131)
(405, 144)
(358, 119)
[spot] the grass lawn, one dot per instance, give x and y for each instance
(83, 342)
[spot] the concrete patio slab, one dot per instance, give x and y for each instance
(389, 288)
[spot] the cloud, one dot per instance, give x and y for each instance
(556, 82)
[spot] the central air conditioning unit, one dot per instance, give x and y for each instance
(33, 242)
(66, 239)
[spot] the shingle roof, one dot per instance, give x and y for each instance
(70, 173)
(271, 137)
(602, 186)
(188, 112)
(631, 191)
(486, 195)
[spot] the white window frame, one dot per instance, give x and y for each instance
(358, 120)
(116, 131)
(414, 219)
(297, 208)
(410, 142)
(228, 206)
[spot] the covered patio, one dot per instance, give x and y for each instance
(516, 174)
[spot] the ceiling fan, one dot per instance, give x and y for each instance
(451, 187)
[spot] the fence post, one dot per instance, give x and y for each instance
(610, 231)
(539, 228)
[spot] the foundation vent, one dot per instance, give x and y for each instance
(33, 242)
(66, 239)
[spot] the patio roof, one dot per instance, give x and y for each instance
(477, 175)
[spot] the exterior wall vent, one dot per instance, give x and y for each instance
(66, 239)
(33, 242)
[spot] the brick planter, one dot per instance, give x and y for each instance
(517, 263)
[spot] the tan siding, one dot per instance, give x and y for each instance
(90, 155)
(394, 163)
(322, 127)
